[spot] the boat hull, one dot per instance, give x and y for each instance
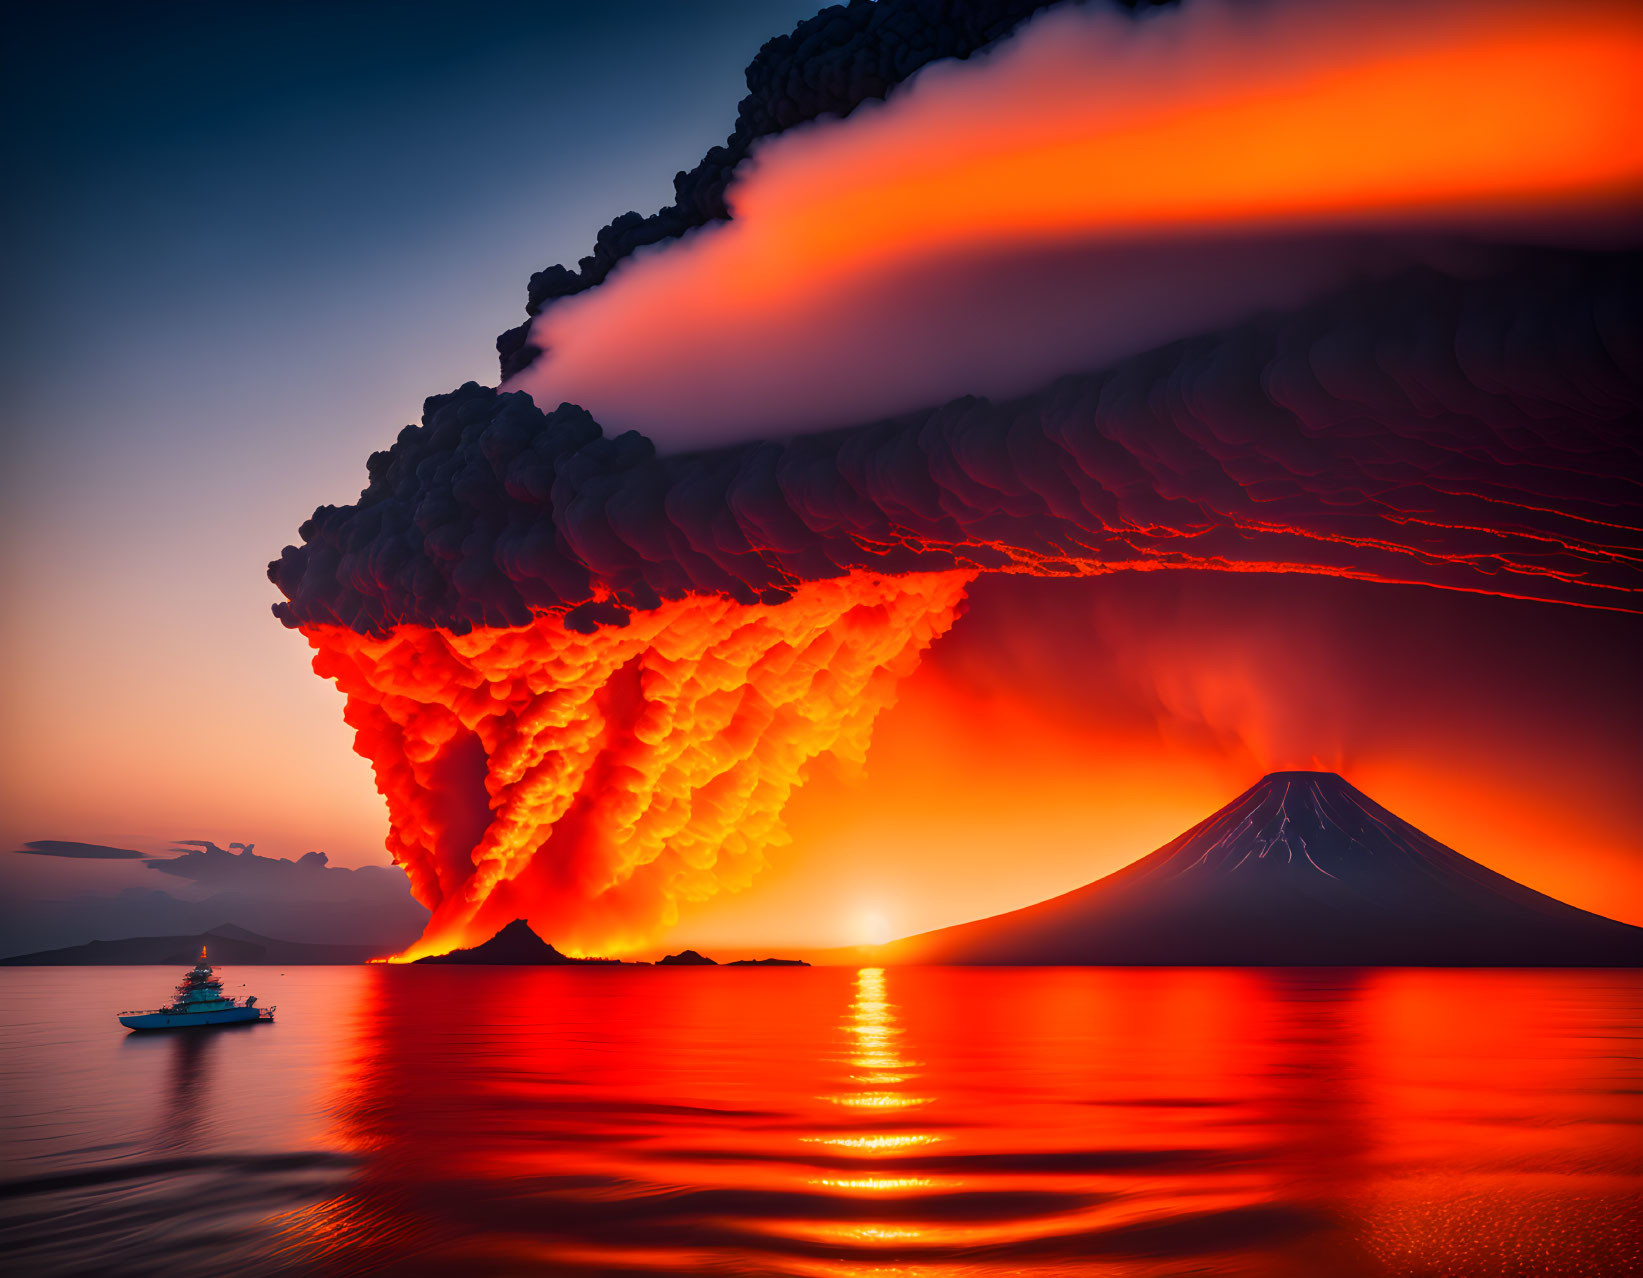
(192, 1020)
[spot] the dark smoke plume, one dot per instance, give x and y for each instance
(829, 65)
(1469, 433)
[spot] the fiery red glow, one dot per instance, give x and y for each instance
(1064, 728)
(646, 764)
(595, 783)
(1238, 1122)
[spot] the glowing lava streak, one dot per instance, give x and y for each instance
(587, 782)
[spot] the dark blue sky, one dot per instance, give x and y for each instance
(229, 168)
(247, 240)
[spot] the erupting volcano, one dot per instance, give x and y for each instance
(1300, 869)
(590, 669)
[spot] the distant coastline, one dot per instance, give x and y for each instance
(229, 945)
(518, 945)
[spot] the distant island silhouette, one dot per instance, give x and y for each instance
(687, 958)
(690, 958)
(1301, 869)
(517, 945)
(229, 945)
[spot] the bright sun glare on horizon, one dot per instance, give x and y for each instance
(872, 928)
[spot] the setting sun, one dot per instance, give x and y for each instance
(872, 928)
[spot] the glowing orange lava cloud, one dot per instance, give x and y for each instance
(648, 764)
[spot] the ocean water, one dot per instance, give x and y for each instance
(829, 1122)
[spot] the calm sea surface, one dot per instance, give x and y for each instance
(828, 1122)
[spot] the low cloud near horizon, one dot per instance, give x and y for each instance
(239, 866)
(80, 851)
(71, 892)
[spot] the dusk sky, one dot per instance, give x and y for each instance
(262, 235)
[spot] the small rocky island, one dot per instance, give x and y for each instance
(687, 958)
(517, 946)
(692, 958)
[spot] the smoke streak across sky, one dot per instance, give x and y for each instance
(1096, 186)
(590, 670)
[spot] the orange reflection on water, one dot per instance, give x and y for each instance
(1121, 1122)
(873, 1029)
(878, 1144)
(875, 1184)
(878, 1100)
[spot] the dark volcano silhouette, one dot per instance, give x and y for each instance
(515, 946)
(687, 958)
(1300, 869)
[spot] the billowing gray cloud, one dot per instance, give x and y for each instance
(1470, 433)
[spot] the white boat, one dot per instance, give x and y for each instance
(199, 1001)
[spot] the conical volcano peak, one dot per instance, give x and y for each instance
(1305, 776)
(1304, 824)
(1302, 868)
(1301, 807)
(1316, 789)
(515, 944)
